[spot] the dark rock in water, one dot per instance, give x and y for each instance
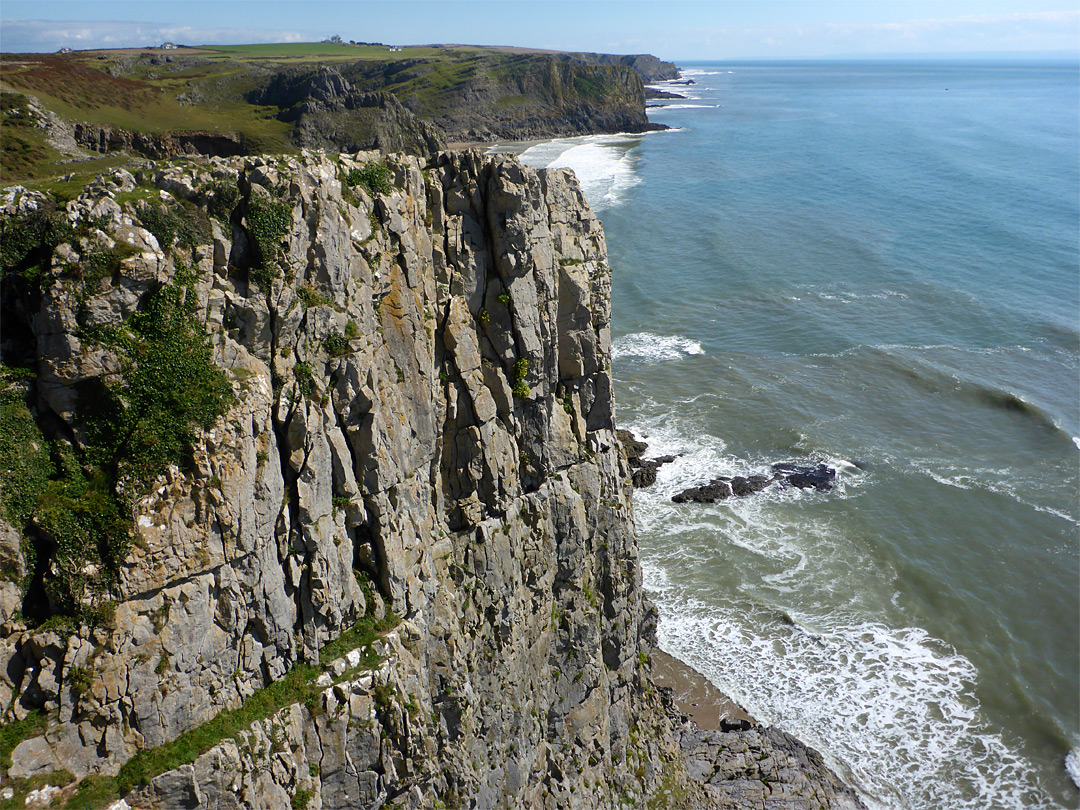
(645, 474)
(820, 477)
(748, 486)
(652, 93)
(632, 448)
(716, 490)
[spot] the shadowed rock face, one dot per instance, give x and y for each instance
(329, 113)
(421, 394)
(107, 138)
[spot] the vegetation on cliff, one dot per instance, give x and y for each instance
(73, 499)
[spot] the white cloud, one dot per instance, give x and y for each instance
(43, 36)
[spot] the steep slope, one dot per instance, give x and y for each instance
(337, 393)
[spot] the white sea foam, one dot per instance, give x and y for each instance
(894, 707)
(605, 165)
(1076, 441)
(847, 297)
(1072, 765)
(681, 106)
(649, 347)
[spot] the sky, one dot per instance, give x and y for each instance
(720, 29)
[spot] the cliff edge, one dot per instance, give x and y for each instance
(312, 498)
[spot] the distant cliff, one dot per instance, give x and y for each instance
(312, 497)
(645, 65)
(232, 101)
(487, 97)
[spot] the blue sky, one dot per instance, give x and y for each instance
(722, 29)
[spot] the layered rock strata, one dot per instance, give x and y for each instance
(422, 401)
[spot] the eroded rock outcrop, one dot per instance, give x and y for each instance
(421, 420)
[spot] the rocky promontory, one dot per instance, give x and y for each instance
(312, 497)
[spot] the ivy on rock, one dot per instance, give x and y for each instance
(76, 500)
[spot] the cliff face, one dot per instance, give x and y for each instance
(645, 65)
(407, 413)
(498, 523)
(512, 96)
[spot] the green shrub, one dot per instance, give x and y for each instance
(305, 380)
(300, 798)
(223, 199)
(520, 388)
(27, 242)
(88, 523)
(336, 344)
(375, 177)
(25, 465)
(179, 220)
(169, 389)
(80, 679)
(269, 218)
(311, 297)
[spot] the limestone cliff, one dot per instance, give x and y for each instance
(418, 423)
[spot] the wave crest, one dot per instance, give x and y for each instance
(649, 347)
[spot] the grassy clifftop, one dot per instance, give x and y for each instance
(278, 98)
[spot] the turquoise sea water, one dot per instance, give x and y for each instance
(873, 265)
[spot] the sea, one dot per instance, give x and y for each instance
(874, 266)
